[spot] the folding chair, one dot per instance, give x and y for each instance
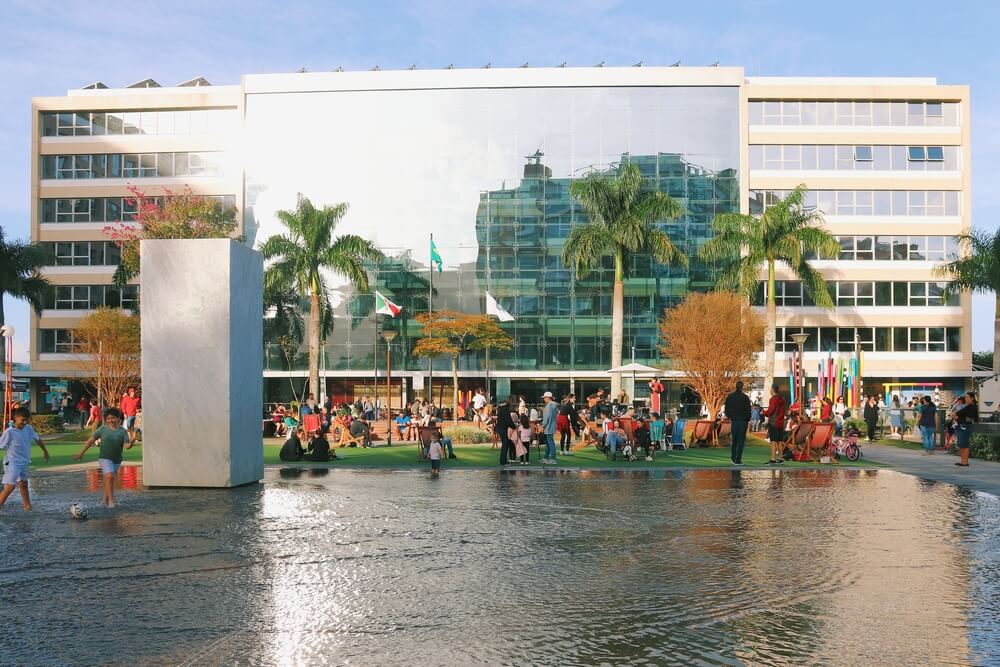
(703, 432)
(677, 437)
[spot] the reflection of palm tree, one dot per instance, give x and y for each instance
(623, 216)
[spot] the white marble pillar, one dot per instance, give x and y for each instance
(202, 363)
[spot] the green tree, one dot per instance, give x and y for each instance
(784, 233)
(300, 256)
(20, 262)
(977, 270)
(623, 216)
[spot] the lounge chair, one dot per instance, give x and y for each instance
(722, 431)
(703, 433)
(821, 439)
(799, 441)
(677, 437)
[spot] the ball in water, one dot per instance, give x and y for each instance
(77, 511)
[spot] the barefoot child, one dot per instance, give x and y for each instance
(113, 438)
(16, 440)
(434, 454)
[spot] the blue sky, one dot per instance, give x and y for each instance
(48, 47)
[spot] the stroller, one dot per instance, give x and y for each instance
(847, 444)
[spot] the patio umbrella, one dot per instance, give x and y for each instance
(636, 369)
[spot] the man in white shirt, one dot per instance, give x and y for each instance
(478, 403)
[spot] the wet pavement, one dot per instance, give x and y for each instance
(713, 567)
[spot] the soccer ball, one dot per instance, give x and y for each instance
(77, 511)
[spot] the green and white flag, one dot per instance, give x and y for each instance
(385, 307)
(436, 257)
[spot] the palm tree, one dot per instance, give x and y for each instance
(623, 216)
(784, 233)
(19, 277)
(978, 271)
(304, 252)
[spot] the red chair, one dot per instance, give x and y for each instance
(310, 423)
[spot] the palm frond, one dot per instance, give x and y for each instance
(585, 245)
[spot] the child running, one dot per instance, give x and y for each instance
(16, 440)
(113, 439)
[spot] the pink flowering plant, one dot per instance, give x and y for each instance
(182, 215)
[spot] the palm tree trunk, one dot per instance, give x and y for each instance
(996, 336)
(617, 322)
(3, 341)
(769, 332)
(454, 387)
(314, 344)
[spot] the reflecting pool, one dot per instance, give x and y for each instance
(711, 567)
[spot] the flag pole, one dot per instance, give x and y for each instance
(430, 313)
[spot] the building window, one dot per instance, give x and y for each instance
(102, 209)
(132, 165)
(56, 341)
(82, 253)
(880, 113)
(867, 202)
(168, 122)
(89, 297)
(863, 153)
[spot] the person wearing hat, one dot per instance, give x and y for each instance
(549, 414)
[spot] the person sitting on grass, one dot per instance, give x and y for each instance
(16, 442)
(113, 438)
(319, 449)
(292, 449)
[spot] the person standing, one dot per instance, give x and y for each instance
(738, 410)
(83, 411)
(564, 425)
(896, 417)
(775, 413)
(549, 413)
(128, 405)
(927, 423)
(503, 426)
(965, 416)
(478, 404)
(871, 417)
(655, 391)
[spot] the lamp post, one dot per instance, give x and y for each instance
(800, 390)
(389, 335)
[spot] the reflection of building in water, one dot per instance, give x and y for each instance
(563, 323)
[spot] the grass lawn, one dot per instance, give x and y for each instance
(63, 446)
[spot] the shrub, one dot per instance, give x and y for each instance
(47, 423)
(468, 435)
(856, 423)
(985, 446)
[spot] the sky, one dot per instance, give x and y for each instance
(48, 47)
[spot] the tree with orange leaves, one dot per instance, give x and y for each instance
(714, 340)
(449, 333)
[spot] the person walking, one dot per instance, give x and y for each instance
(737, 408)
(965, 416)
(503, 426)
(775, 413)
(927, 423)
(549, 413)
(871, 417)
(564, 425)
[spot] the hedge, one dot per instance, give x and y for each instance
(985, 446)
(468, 435)
(47, 423)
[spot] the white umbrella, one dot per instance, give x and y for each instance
(636, 369)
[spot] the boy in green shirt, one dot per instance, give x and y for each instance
(113, 440)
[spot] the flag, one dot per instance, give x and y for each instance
(495, 309)
(436, 257)
(385, 307)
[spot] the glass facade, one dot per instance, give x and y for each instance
(488, 172)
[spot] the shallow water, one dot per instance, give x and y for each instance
(543, 567)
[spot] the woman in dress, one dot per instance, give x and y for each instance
(896, 417)
(655, 389)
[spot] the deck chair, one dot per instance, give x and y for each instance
(799, 440)
(703, 433)
(821, 439)
(628, 425)
(724, 430)
(310, 423)
(427, 434)
(677, 437)
(590, 435)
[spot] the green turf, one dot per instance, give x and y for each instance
(63, 446)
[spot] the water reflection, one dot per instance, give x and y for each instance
(520, 567)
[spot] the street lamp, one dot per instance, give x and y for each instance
(800, 390)
(389, 335)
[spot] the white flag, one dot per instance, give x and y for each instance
(495, 309)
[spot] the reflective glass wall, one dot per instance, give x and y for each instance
(487, 172)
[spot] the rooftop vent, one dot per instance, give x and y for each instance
(145, 83)
(97, 85)
(196, 82)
